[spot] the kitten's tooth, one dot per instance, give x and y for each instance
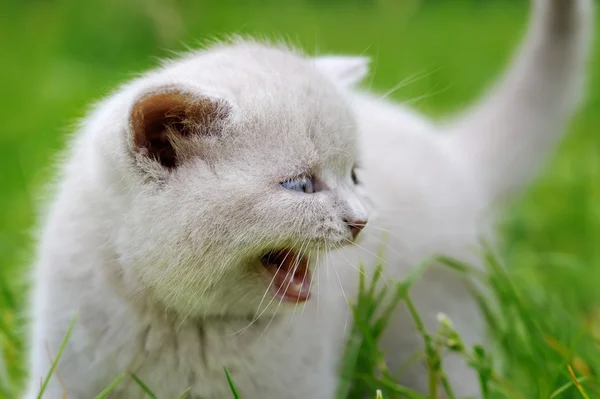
(296, 288)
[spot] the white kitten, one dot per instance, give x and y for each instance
(184, 191)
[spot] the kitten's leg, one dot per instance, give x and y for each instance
(511, 132)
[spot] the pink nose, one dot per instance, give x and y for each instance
(355, 226)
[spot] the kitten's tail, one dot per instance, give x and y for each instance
(508, 135)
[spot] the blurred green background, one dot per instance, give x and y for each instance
(59, 56)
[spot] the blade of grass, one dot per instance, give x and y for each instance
(185, 393)
(460, 267)
(415, 274)
(392, 387)
(447, 387)
(381, 323)
(349, 365)
(58, 355)
(577, 384)
(567, 386)
(236, 395)
(143, 386)
(111, 387)
(433, 358)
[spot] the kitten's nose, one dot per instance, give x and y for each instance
(355, 226)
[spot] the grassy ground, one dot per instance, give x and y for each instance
(59, 56)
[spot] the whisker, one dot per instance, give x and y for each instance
(256, 317)
(364, 249)
(341, 253)
(425, 96)
(318, 287)
(312, 278)
(303, 279)
(328, 267)
(343, 293)
(268, 288)
(393, 274)
(415, 77)
(293, 268)
(188, 314)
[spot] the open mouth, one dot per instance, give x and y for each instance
(291, 275)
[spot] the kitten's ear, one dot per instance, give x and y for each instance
(345, 70)
(162, 121)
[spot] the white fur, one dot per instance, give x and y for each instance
(157, 263)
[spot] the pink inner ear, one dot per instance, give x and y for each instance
(162, 118)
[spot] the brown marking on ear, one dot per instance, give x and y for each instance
(161, 120)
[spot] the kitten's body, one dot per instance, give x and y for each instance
(430, 192)
(448, 176)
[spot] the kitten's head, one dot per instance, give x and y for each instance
(239, 172)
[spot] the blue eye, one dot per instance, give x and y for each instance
(301, 184)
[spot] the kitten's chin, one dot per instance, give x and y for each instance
(290, 275)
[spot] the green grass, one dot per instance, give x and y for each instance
(59, 56)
